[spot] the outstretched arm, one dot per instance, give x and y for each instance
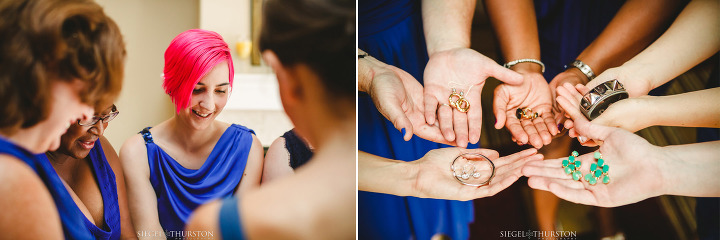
(637, 169)
(633, 28)
(691, 109)
(516, 29)
(398, 96)
(431, 176)
(453, 65)
(691, 39)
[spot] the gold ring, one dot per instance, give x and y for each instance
(458, 101)
(462, 105)
(526, 113)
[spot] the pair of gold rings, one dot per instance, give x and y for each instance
(458, 101)
(526, 113)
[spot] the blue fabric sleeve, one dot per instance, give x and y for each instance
(230, 224)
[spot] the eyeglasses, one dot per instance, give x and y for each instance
(95, 119)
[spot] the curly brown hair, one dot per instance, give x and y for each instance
(48, 40)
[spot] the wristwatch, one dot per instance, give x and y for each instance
(584, 68)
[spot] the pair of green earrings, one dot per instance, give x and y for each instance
(597, 171)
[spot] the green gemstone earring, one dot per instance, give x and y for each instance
(598, 171)
(572, 166)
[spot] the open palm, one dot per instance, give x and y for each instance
(466, 70)
(634, 171)
(399, 97)
(435, 179)
(533, 93)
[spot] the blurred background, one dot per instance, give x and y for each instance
(149, 26)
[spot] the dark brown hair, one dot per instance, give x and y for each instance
(318, 33)
(47, 40)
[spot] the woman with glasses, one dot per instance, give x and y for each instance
(89, 165)
(58, 60)
(190, 158)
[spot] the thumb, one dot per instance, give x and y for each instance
(401, 123)
(505, 75)
(499, 107)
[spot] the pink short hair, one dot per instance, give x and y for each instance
(190, 56)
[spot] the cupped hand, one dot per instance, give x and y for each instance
(572, 76)
(399, 97)
(533, 93)
(626, 114)
(633, 169)
(465, 70)
(435, 179)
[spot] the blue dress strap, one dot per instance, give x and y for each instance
(146, 135)
(230, 224)
(105, 178)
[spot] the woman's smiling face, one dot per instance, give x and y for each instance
(208, 99)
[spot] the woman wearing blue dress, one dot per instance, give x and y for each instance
(59, 60)
(410, 35)
(90, 168)
(191, 158)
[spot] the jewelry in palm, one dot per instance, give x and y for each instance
(458, 101)
(597, 171)
(473, 169)
(572, 166)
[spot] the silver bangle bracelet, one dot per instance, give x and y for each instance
(584, 68)
(512, 63)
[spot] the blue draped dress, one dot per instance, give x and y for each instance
(105, 178)
(392, 32)
(180, 190)
(70, 216)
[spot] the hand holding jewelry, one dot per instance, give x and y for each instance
(526, 110)
(636, 170)
(465, 174)
(465, 70)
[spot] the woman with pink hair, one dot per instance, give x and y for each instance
(190, 158)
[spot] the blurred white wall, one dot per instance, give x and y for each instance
(254, 101)
(148, 26)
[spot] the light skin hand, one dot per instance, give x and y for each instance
(434, 179)
(465, 70)
(635, 170)
(534, 93)
(634, 84)
(398, 97)
(617, 115)
(572, 76)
